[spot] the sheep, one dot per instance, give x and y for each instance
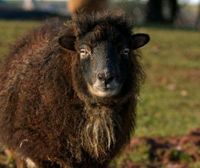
(87, 6)
(68, 92)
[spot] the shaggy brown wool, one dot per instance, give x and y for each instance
(46, 111)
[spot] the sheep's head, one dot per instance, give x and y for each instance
(105, 46)
(105, 73)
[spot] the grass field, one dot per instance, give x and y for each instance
(170, 98)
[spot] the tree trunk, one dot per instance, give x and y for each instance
(162, 11)
(154, 11)
(197, 25)
(174, 10)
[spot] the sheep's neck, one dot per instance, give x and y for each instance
(98, 135)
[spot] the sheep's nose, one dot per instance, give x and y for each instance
(105, 77)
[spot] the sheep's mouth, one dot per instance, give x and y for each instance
(104, 91)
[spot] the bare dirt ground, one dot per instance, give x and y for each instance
(174, 152)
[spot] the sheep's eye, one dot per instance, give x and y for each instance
(84, 53)
(125, 51)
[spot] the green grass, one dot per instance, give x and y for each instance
(170, 98)
(10, 31)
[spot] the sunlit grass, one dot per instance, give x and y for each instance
(170, 99)
(10, 31)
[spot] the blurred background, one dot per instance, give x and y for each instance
(168, 119)
(184, 13)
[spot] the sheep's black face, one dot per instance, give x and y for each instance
(104, 59)
(104, 67)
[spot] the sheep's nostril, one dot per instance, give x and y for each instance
(101, 77)
(105, 78)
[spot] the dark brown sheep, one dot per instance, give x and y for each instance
(68, 92)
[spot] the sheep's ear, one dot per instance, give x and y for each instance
(67, 42)
(139, 40)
